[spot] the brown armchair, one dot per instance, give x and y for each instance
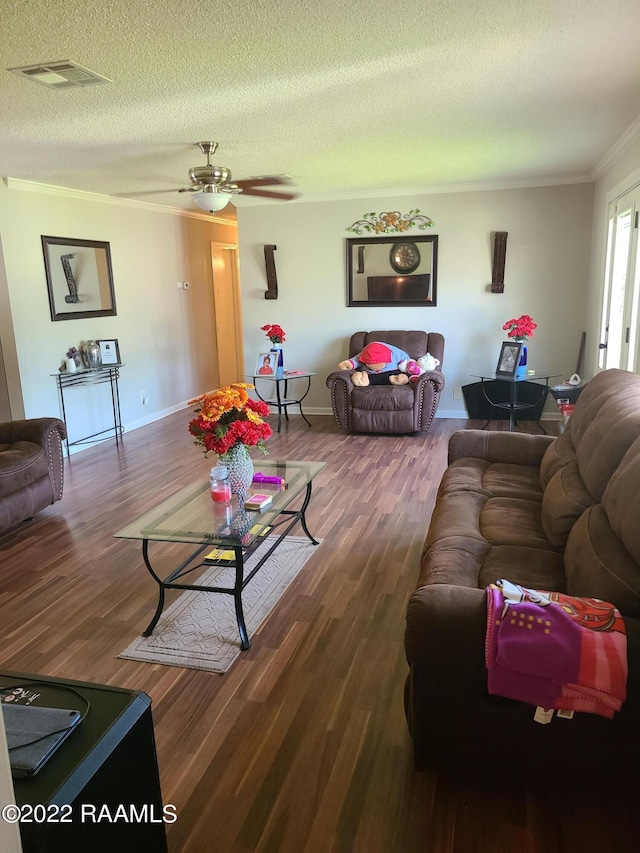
(31, 468)
(395, 409)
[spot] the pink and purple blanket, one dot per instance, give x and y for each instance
(555, 650)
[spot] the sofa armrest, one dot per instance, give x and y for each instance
(36, 430)
(340, 385)
(427, 390)
(341, 376)
(49, 433)
(516, 448)
(435, 377)
(445, 616)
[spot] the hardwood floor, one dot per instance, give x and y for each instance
(302, 746)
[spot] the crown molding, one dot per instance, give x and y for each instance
(617, 150)
(83, 195)
(433, 189)
(469, 186)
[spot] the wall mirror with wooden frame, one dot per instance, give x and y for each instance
(79, 278)
(395, 270)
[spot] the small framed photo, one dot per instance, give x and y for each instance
(509, 359)
(109, 351)
(267, 364)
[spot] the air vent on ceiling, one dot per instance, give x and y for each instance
(60, 75)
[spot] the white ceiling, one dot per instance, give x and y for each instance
(349, 97)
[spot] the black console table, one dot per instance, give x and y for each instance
(514, 406)
(92, 376)
(109, 761)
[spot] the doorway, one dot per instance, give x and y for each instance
(228, 312)
(619, 330)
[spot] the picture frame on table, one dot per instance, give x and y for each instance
(109, 350)
(267, 364)
(509, 359)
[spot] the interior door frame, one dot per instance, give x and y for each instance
(221, 314)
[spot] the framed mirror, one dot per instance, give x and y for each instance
(79, 278)
(396, 270)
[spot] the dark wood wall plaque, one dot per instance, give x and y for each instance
(272, 279)
(499, 258)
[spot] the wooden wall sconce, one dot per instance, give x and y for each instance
(499, 257)
(272, 279)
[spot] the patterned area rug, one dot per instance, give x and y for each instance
(199, 630)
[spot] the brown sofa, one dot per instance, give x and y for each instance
(31, 468)
(557, 514)
(394, 409)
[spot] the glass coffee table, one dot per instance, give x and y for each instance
(191, 517)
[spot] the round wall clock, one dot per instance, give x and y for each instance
(404, 258)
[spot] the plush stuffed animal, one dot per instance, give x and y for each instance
(377, 364)
(414, 369)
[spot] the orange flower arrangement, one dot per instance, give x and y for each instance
(227, 417)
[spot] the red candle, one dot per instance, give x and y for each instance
(220, 493)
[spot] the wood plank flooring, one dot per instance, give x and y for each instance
(302, 746)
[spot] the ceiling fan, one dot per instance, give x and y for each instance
(213, 188)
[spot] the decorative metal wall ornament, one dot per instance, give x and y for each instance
(72, 296)
(390, 222)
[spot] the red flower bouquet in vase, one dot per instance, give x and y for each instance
(228, 422)
(520, 329)
(276, 335)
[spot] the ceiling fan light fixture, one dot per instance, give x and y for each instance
(212, 201)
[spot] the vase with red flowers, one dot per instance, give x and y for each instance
(228, 422)
(521, 329)
(276, 335)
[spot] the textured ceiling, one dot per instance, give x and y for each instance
(346, 97)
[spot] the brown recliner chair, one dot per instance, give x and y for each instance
(395, 409)
(31, 468)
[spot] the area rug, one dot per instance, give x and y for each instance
(199, 630)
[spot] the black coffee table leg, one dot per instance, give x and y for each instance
(303, 520)
(166, 583)
(237, 600)
(145, 556)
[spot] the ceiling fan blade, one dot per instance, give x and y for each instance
(263, 181)
(190, 189)
(270, 194)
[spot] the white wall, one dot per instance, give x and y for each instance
(166, 335)
(548, 251)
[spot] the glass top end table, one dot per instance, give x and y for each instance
(282, 401)
(513, 405)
